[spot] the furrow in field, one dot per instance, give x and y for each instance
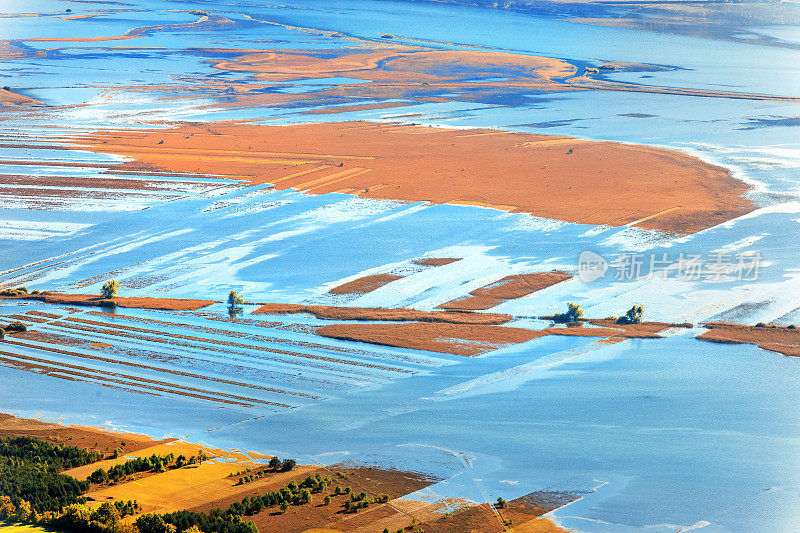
(42, 365)
(263, 353)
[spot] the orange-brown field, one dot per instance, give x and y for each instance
(783, 340)
(168, 304)
(508, 288)
(328, 312)
(554, 177)
(93, 439)
(364, 284)
(213, 484)
(476, 339)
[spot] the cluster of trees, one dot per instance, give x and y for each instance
(281, 466)
(20, 291)
(361, 501)
(29, 472)
(632, 316)
(574, 314)
(103, 519)
(215, 521)
(154, 463)
(275, 465)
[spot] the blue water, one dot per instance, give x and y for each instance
(670, 433)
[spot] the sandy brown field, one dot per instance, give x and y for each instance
(365, 284)
(476, 339)
(554, 177)
(783, 340)
(138, 302)
(328, 312)
(508, 288)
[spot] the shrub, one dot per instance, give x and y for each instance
(110, 289)
(790, 326)
(16, 326)
(501, 503)
(761, 325)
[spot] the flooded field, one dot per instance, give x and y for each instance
(428, 184)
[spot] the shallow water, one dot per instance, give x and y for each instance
(659, 435)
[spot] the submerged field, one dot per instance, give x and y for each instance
(405, 194)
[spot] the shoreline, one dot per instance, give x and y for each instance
(222, 477)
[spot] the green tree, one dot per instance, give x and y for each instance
(284, 506)
(274, 463)
(327, 500)
(574, 314)
(153, 523)
(234, 300)
(110, 288)
(632, 316)
(501, 503)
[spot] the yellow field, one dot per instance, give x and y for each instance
(187, 487)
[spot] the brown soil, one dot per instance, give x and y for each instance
(553, 177)
(436, 261)
(469, 339)
(373, 481)
(524, 514)
(365, 284)
(778, 339)
(329, 312)
(8, 98)
(508, 288)
(457, 339)
(99, 440)
(167, 304)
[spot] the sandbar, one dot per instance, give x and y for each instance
(555, 177)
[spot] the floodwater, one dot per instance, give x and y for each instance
(657, 435)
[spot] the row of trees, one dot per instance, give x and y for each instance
(574, 315)
(154, 463)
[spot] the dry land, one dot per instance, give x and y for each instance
(138, 302)
(508, 288)
(783, 340)
(549, 176)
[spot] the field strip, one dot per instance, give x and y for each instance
(629, 224)
(239, 159)
(431, 361)
(329, 183)
(484, 134)
(314, 376)
(330, 177)
(188, 152)
(555, 142)
(163, 370)
(229, 343)
(31, 362)
(149, 382)
(298, 174)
